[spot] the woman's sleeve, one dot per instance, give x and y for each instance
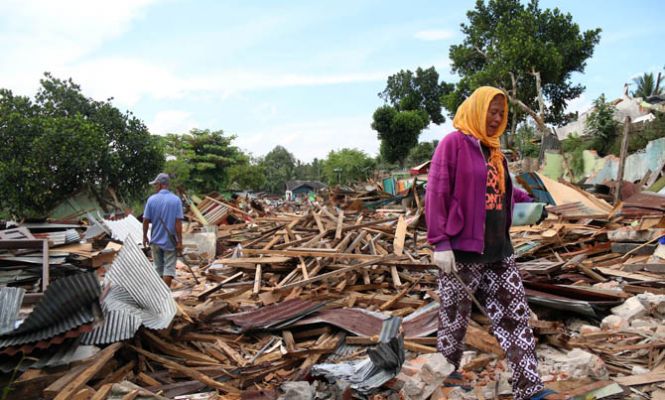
(520, 196)
(440, 185)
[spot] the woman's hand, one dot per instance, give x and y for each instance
(445, 260)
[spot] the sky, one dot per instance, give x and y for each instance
(301, 74)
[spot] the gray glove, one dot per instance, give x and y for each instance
(445, 260)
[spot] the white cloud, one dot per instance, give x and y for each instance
(172, 121)
(129, 80)
(434, 34)
(313, 139)
(38, 36)
(579, 104)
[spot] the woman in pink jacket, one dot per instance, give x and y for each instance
(468, 207)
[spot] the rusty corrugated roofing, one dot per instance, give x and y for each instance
(361, 322)
(68, 304)
(354, 320)
(274, 315)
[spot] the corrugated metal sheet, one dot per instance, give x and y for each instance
(382, 363)
(365, 323)
(68, 303)
(30, 347)
(137, 295)
(63, 298)
(423, 322)
(10, 304)
(60, 237)
(122, 228)
(274, 316)
(354, 320)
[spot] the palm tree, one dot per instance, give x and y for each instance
(646, 85)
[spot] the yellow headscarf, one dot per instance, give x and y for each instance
(470, 119)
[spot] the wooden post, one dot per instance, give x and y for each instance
(622, 159)
(45, 265)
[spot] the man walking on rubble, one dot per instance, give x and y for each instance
(164, 210)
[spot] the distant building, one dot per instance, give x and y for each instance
(298, 188)
(625, 106)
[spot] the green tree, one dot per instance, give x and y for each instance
(348, 164)
(652, 131)
(247, 176)
(132, 155)
(529, 52)
(421, 153)
(63, 142)
(573, 147)
(201, 159)
(524, 140)
(601, 126)
(398, 132)
(406, 91)
(646, 85)
(278, 166)
(311, 171)
(413, 101)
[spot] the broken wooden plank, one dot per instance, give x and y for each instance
(86, 374)
(257, 280)
(642, 379)
(340, 225)
(190, 372)
(339, 272)
(400, 236)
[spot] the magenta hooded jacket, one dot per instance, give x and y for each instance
(455, 197)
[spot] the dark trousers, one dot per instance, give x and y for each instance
(498, 287)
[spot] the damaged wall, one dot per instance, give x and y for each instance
(598, 170)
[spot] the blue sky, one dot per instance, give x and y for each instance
(302, 74)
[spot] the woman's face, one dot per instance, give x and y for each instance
(495, 115)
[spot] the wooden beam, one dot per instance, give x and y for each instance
(217, 287)
(400, 236)
(340, 225)
(331, 253)
(331, 274)
(54, 388)
(190, 372)
(319, 224)
(257, 280)
(100, 360)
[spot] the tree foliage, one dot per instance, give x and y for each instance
(311, 171)
(201, 159)
(421, 153)
(408, 91)
(349, 164)
(247, 176)
(506, 40)
(573, 148)
(414, 100)
(646, 85)
(601, 126)
(278, 166)
(524, 140)
(398, 131)
(64, 142)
